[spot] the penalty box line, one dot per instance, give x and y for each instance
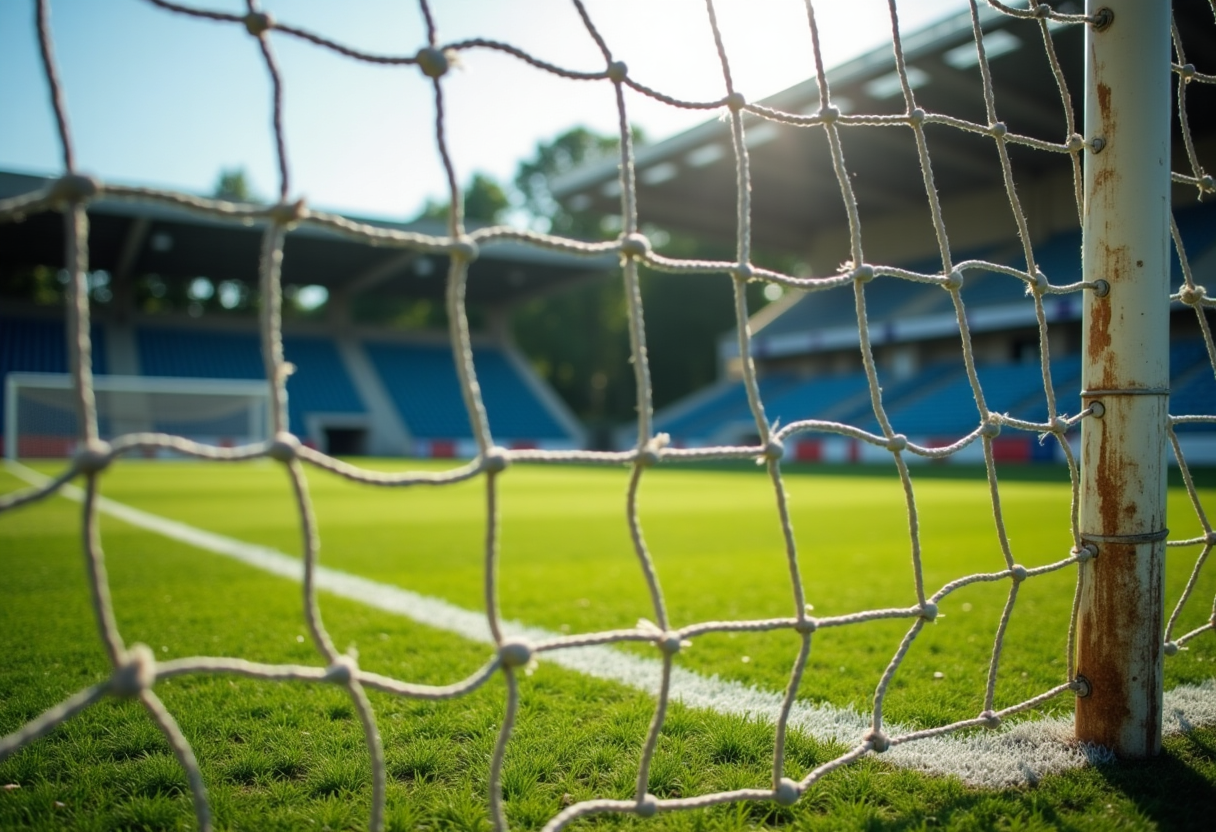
(1016, 753)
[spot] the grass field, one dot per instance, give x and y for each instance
(291, 756)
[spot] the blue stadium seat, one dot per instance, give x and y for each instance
(949, 410)
(816, 398)
(32, 345)
(729, 404)
(421, 379)
(319, 385)
(1192, 384)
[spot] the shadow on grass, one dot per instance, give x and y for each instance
(1174, 792)
(1171, 790)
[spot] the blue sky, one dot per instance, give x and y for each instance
(158, 99)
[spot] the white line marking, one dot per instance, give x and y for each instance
(1017, 753)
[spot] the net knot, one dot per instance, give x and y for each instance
(991, 720)
(735, 101)
(283, 447)
(991, 429)
(917, 117)
(1191, 295)
(806, 625)
(617, 72)
(863, 273)
(1206, 183)
(1076, 143)
(1210, 539)
(928, 611)
(1059, 425)
(878, 741)
(1187, 71)
(495, 460)
(954, 280)
(647, 806)
(634, 246)
(1042, 10)
(1039, 285)
(75, 187)
(288, 214)
(1018, 573)
(670, 643)
(1171, 648)
(342, 671)
(652, 452)
(136, 674)
(787, 792)
(464, 249)
(774, 449)
(829, 114)
(1085, 552)
(433, 62)
(256, 23)
(515, 653)
(743, 272)
(92, 457)
(997, 129)
(897, 443)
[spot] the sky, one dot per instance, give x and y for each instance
(158, 99)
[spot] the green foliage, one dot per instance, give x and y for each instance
(578, 339)
(576, 147)
(233, 184)
(485, 201)
(35, 284)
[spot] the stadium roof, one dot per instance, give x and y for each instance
(688, 181)
(136, 238)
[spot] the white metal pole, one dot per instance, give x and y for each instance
(1126, 370)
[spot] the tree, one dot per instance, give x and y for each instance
(572, 149)
(485, 201)
(233, 185)
(578, 340)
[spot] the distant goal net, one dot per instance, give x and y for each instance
(41, 420)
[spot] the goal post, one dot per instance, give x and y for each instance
(40, 418)
(1125, 377)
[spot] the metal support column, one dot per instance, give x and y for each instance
(1126, 371)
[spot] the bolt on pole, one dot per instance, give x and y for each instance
(1126, 370)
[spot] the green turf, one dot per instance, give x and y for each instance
(277, 756)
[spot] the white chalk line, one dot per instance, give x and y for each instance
(1016, 753)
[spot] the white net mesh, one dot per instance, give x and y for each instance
(135, 671)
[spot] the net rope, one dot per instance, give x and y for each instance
(135, 670)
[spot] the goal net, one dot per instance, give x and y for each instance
(1122, 412)
(40, 417)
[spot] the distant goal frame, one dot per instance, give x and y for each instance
(259, 425)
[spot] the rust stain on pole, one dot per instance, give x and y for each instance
(1116, 714)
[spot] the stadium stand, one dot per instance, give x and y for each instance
(337, 400)
(319, 385)
(421, 379)
(810, 342)
(926, 403)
